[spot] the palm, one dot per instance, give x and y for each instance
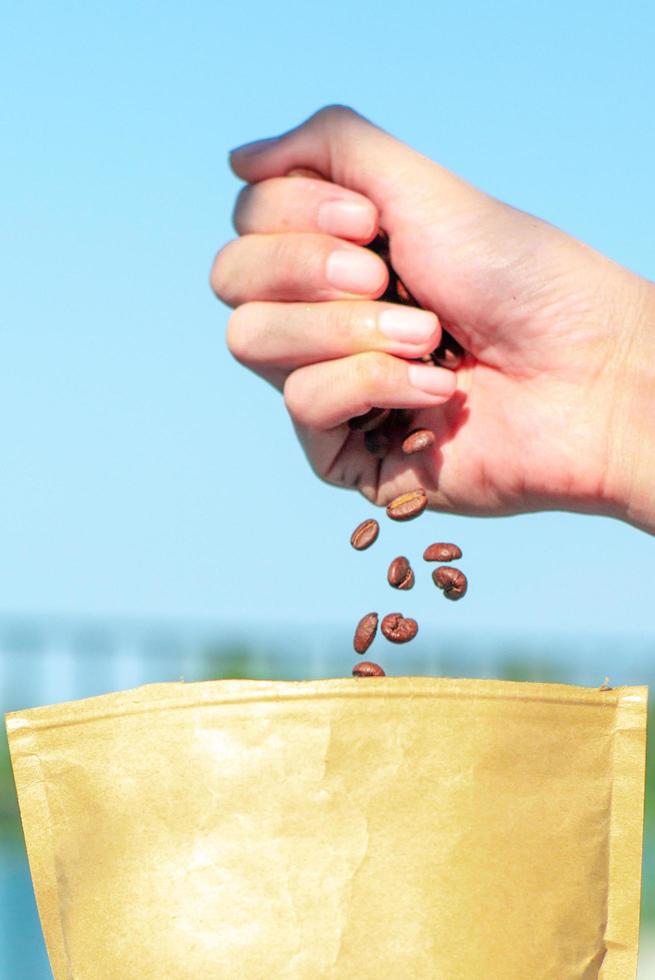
(530, 393)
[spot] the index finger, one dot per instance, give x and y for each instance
(295, 203)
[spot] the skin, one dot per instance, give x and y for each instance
(554, 405)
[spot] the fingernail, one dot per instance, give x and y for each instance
(257, 146)
(348, 219)
(407, 325)
(355, 271)
(432, 380)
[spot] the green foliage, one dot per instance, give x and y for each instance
(235, 660)
(10, 830)
(514, 667)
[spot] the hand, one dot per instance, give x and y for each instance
(550, 408)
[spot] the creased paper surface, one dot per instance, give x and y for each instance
(389, 829)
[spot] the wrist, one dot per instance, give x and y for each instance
(630, 483)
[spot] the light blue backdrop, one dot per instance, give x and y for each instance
(142, 472)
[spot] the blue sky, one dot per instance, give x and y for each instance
(142, 471)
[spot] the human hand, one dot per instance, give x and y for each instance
(549, 409)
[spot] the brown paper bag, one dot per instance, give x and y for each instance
(390, 829)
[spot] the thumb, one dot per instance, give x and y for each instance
(349, 150)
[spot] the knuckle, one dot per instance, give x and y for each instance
(335, 114)
(242, 209)
(351, 322)
(294, 259)
(240, 336)
(282, 257)
(220, 276)
(290, 393)
(295, 398)
(347, 323)
(373, 372)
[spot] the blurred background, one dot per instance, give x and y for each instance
(158, 519)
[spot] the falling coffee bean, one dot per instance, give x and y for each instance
(408, 505)
(365, 534)
(377, 442)
(417, 441)
(367, 627)
(451, 580)
(397, 629)
(442, 552)
(370, 420)
(368, 669)
(400, 574)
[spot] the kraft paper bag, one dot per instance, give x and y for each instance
(375, 829)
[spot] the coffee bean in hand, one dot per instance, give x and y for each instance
(368, 669)
(417, 441)
(397, 629)
(408, 505)
(400, 574)
(442, 552)
(449, 353)
(367, 627)
(365, 534)
(451, 580)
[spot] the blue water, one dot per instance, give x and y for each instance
(22, 950)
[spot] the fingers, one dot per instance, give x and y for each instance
(318, 144)
(347, 149)
(322, 396)
(296, 267)
(276, 338)
(285, 204)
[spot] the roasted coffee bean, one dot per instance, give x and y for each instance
(367, 627)
(377, 443)
(403, 294)
(396, 291)
(368, 669)
(398, 629)
(451, 580)
(408, 505)
(442, 552)
(365, 534)
(370, 420)
(417, 441)
(400, 574)
(449, 353)
(447, 358)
